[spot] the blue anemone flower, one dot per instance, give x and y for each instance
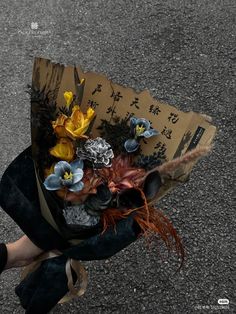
(66, 175)
(140, 127)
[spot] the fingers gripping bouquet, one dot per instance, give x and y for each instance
(103, 155)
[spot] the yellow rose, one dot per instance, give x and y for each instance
(78, 123)
(63, 150)
(74, 126)
(58, 126)
(68, 98)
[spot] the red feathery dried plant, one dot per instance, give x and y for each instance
(121, 175)
(151, 221)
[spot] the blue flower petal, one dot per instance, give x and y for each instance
(133, 122)
(144, 122)
(77, 187)
(149, 133)
(131, 145)
(67, 182)
(61, 167)
(77, 175)
(52, 182)
(78, 163)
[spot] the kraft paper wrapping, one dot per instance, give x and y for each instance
(179, 131)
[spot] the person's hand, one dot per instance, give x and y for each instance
(21, 253)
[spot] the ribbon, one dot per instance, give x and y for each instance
(78, 268)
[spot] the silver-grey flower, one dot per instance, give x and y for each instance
(77, 215)
(98, 151)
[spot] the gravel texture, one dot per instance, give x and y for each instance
(184, 52)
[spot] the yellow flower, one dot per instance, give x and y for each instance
(78, 123)
(74, 126)
(68, 98)
(63, 150)
(58, 126)
(90, 113)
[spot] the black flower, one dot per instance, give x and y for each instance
(97, 151)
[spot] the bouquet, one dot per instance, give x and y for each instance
(103, 155)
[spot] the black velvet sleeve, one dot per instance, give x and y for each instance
(19, 199)
(102, 246)
(41, 290)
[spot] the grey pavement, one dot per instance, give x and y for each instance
(184, 52)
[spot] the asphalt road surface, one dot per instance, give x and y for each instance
(184, 53)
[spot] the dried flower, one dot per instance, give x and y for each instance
(139, 127)
(98, 151)
(66, 175)
(122, 175)
(64, 149)
(68, 98)
(74, 126)
(76, 214)
(91, 182)
(59, 125)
